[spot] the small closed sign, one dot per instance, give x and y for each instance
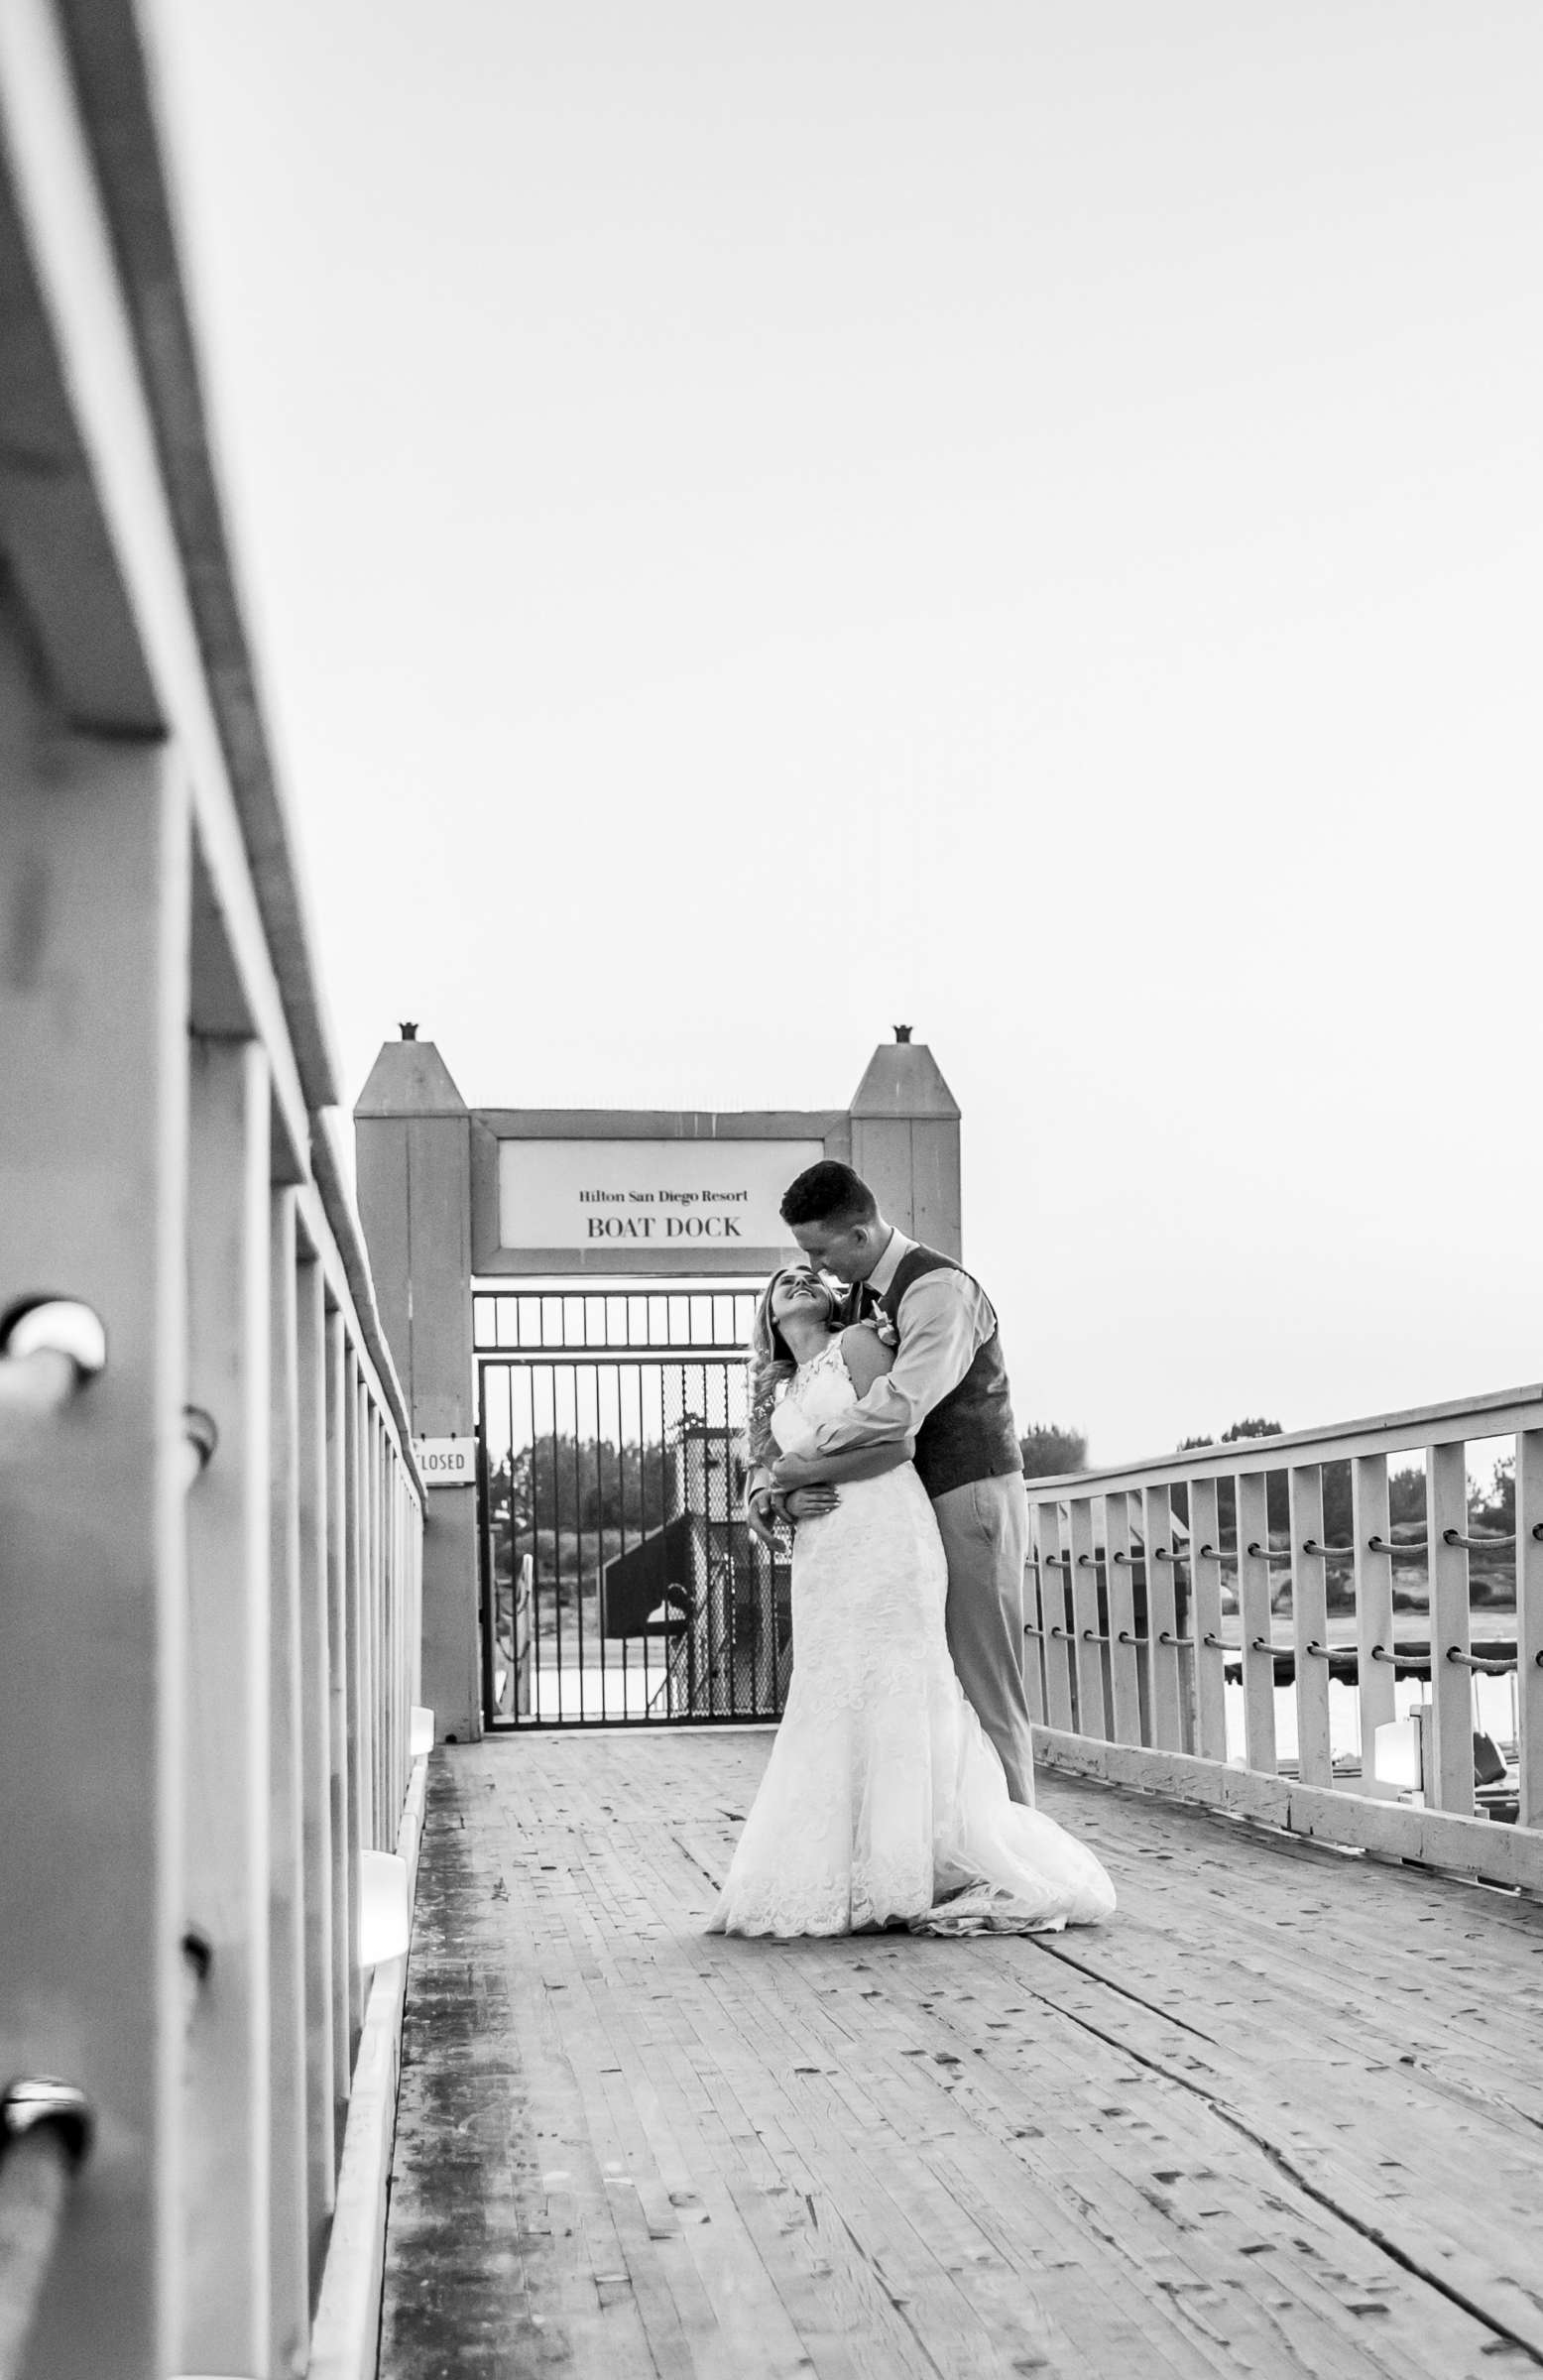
(446, 1461)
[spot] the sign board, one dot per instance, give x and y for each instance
(446, 1461)
(664, 1198)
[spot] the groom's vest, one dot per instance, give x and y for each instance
(970, 1434)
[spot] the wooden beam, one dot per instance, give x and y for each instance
(1529, 1620)
(1451, 1683)
(291, 2287)
(1375, 1629)
(1476, 1846)
(1310, 1624)
(226, 2311)
(1206, 1621)
(94, 859)
(315, 1648)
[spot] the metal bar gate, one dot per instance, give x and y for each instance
(620, 1583)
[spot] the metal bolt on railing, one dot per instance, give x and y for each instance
(200, 1437)
(46, 2131)
(1330, 1553)
(1268, 1553)
(50, 1348)
(1092, 1636)
(1166, 1637)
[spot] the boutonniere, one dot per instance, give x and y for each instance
(883, 1329)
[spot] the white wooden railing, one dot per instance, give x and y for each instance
(1156, 1659)
(209, 1516)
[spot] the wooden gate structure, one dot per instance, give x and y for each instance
(504, 1240)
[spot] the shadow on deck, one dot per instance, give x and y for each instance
(1284, 2115)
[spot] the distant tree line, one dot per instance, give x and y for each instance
(1049, 1451)
(1491, 1509)
(566, 1482)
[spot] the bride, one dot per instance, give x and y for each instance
(883, 1803)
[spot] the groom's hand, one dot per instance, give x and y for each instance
(808, 1503)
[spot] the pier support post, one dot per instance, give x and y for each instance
(905, 1142)
(412, 1139)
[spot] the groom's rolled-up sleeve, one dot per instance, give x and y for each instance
(945, 1320)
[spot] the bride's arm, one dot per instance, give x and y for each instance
(860, 1463)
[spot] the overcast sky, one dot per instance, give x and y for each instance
(1023, 519)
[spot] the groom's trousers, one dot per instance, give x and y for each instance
(984, 1532)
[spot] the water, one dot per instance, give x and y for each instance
(622, 1688)
(1495, 1714)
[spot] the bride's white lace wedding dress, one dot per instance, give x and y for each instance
(884, 1802)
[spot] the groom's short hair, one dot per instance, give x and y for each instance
(828, 1193)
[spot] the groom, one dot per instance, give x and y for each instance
(947, 1389)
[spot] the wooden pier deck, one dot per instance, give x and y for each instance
(1284, 2115)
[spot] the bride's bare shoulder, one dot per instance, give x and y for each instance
(865, 1356)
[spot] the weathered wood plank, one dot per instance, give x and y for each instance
(1181, 2143)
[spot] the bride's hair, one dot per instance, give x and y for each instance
(771, 1363)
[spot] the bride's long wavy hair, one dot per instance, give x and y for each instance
(771, 1363)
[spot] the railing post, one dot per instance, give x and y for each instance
(1529, 1622)
(1374, 1625)
(1258, 1667)
(226, 2311)
(1123, 1673)
(1091, 1719)
(315, 1752)
(363, 1830)
(1162, 1659)
(340, 1716)
(1206, 1621)
(1452, 1692)
(1310, 1625)
(1033, 1606)
(291, 2296)
(362, 1627)
(94, 861)
(1053, 1606)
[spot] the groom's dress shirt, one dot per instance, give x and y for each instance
(945, 1320)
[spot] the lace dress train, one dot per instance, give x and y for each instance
(884, 1802)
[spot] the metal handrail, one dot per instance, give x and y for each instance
(1452, 1423)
